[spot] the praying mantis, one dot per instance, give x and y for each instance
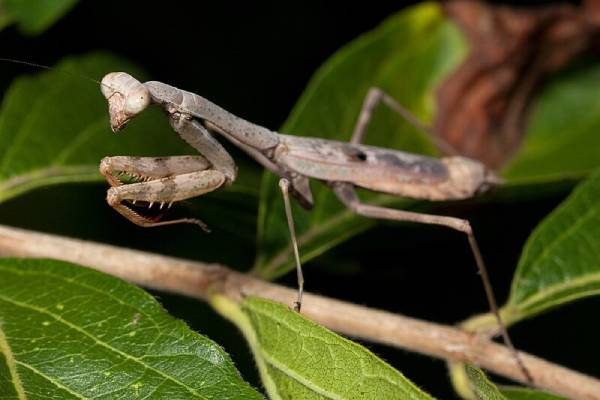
(343, 166)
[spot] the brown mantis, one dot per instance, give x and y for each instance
(343, 166)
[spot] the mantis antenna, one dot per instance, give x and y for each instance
(344, 166)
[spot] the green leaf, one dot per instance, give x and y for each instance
(562, 139)
(54, 127)
(482, 387)
(34, 17)
(71, 332)
(5, 18)
(299, 359)
(520, 393)
(407, 56)
(561, 259)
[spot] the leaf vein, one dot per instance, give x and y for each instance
(565, 286)
(101, 343)
(11, 362)
(50, 379)
(546, 252)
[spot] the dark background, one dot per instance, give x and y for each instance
(255, 60)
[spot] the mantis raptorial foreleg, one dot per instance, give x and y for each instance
(199, 138)
(344, 166)
(147, 168)
(166, 180)
(163, 180)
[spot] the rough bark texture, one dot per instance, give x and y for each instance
(200, 280)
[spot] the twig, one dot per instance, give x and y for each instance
(197, 279)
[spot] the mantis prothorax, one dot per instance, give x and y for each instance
(343, 166)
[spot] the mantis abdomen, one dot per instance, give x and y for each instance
(379, 169)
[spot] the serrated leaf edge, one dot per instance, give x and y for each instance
(519, 307)
(475, 374)
(95, 339)
(101, 343)
(231, 311)
(536, 303)
(547, 251)
(291, 374)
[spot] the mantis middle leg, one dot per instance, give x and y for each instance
(284, 185)
(372, 99)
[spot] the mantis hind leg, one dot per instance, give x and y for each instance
(372, 99)
(347, 195)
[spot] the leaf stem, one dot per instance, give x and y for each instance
(200, 280)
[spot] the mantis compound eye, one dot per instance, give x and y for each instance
(137, 101)
(126, 97)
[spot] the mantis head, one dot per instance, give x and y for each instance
(126, 96)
